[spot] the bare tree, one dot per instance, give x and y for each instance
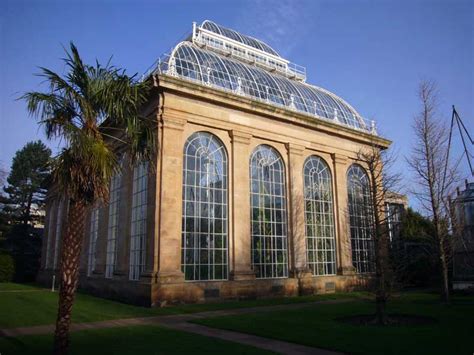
(434, 175)
(378, 163)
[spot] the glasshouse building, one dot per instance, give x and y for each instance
(256, 190)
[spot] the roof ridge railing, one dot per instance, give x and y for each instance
(214, 78)
(248, 54)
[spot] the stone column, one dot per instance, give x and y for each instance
(344, 250)
(296, 232)
(240, 245)
(171, 200)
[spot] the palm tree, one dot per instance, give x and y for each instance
(90, 109)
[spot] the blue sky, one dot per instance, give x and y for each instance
(371, 53)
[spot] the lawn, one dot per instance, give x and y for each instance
(39, 307)
(135, 340)
(315, 325)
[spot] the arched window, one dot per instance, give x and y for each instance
(139, 220)
(361, 219)
(319, 217)
(268, 213)
(204, 252)
(113, 223)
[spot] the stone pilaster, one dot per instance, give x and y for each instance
(240, 245)
(296, 230)
(340, 165)
(171, 200)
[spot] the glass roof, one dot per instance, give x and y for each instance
(193, 63)
(236, 36)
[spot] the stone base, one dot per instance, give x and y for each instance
(168, 289)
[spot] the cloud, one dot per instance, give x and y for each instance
(282, 24)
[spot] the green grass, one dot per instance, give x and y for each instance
(10, 286)
(315, 325)
(147, 340)
(19, 309)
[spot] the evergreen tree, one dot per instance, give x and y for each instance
(26, 183)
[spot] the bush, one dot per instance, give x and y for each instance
(7, 268)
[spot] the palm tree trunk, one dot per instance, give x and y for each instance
(69, 268)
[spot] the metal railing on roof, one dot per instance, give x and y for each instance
(220, 80)
(250, 55)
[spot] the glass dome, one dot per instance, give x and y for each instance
(207, 67)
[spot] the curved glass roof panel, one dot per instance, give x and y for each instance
(191, 62)
(236, 36)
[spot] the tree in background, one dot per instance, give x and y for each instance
(24, 208)
(4, 223)
(378, 163)
(414, 253)
(91, 108)
(435, 178)
(26, 183)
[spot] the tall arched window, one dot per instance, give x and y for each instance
(204, 251)
(319, 217)
(361, 219)
(139, 220)
(113, 224)
(268, 213)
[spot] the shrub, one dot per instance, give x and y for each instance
(7, 268)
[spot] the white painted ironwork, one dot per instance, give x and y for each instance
(192, 63)
(268, 213)
(319, 217)
(139, 220)
(204, 253)
(360, 219)
(230, 43)
(226, 60)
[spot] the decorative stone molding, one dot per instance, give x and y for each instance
(171, 122)
(240, 137)
(339, 159)
(295, 149)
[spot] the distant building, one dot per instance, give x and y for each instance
(395, 207)
(463, 258)
(257, 191)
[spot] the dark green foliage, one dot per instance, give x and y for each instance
(414, 253)
(27, 183)
(92, 108)
(415, 227)
(23, 243)
(7, 267)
